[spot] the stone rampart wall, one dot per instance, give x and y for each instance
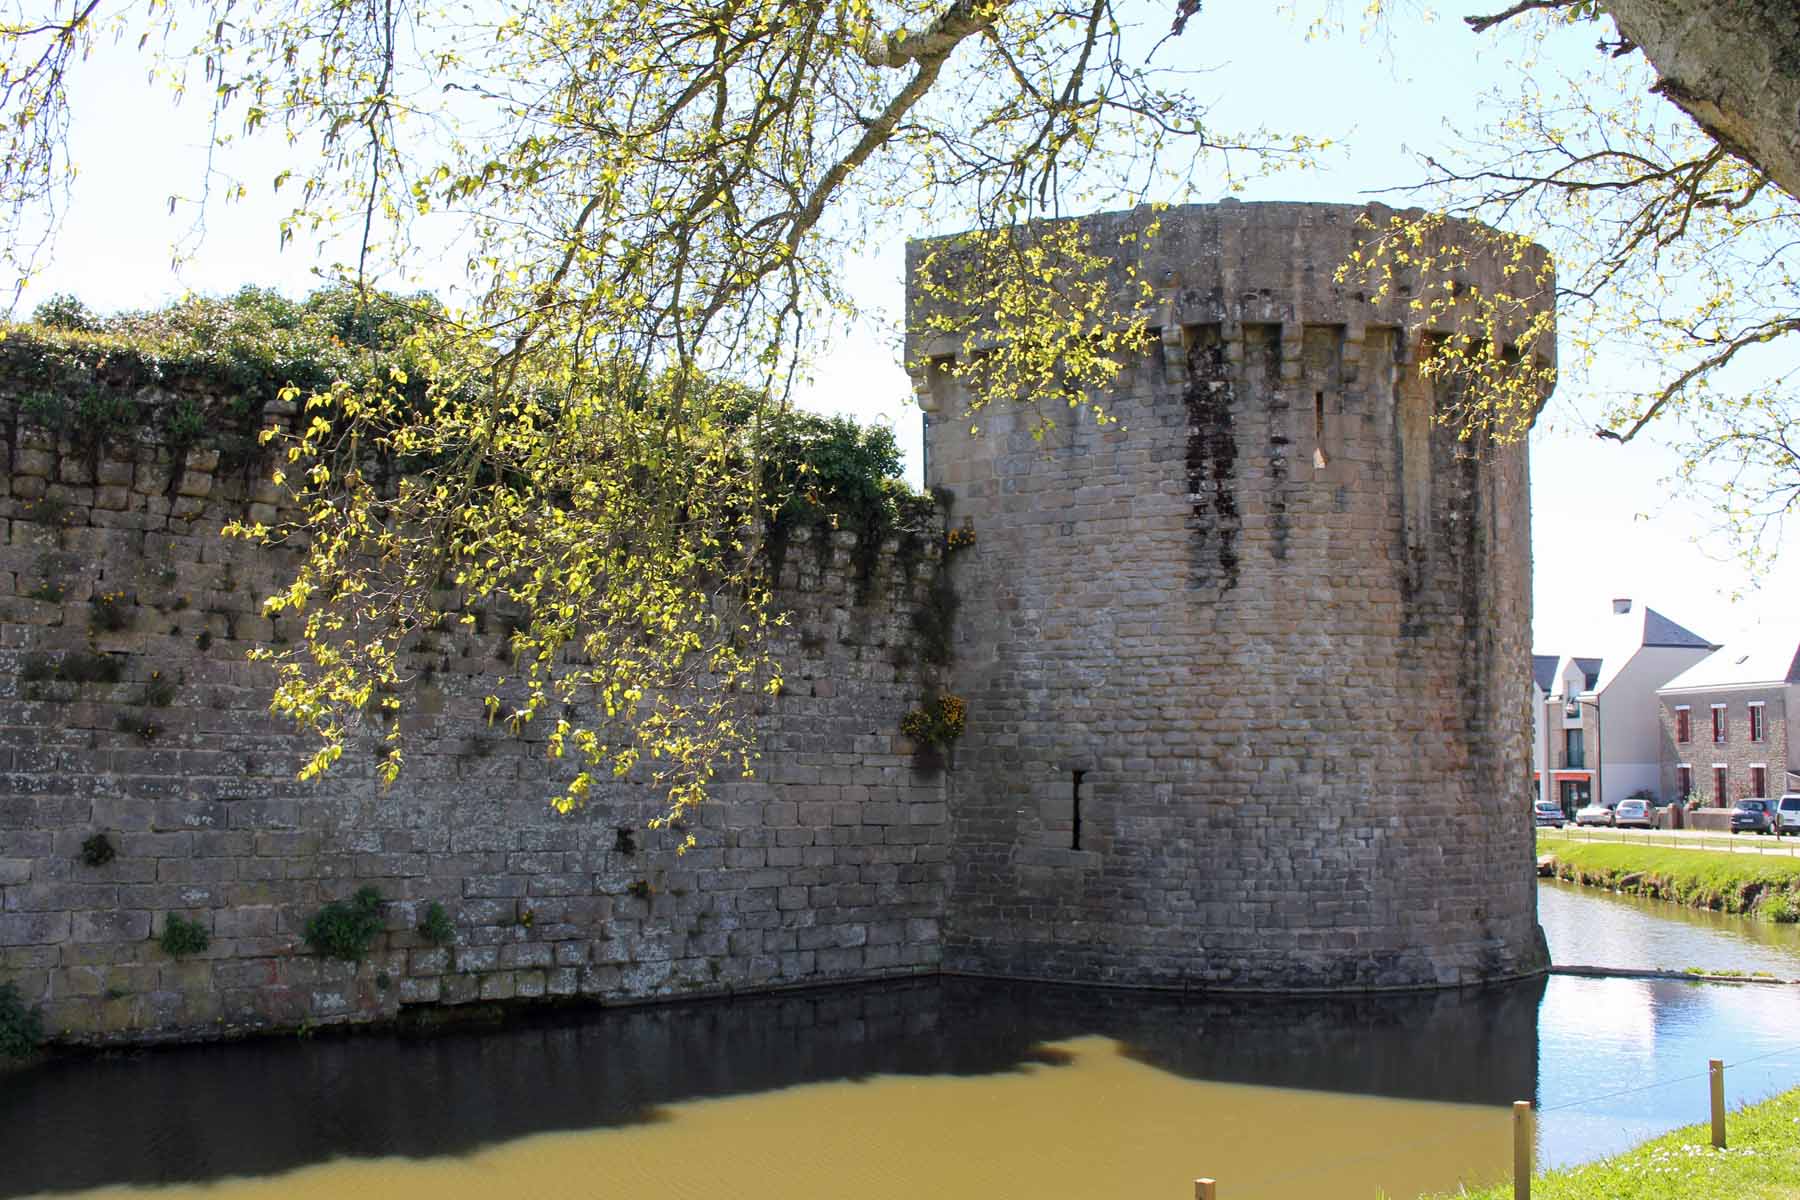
(1246, 677)
(127, 709)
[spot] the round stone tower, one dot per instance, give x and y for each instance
(1247, 671)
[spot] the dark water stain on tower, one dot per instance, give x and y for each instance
(1262, 354)
(1212, 462)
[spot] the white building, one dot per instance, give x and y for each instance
(1599, 722)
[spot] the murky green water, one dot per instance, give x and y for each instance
(1097, 1123)
(942, 1088)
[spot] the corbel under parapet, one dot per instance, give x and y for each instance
(931, 382)
(1162, 315)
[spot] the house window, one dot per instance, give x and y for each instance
(1756, 724)
(1573, 752)
(1721, 781)
(1759, 780)
(1683, 734)
(1718, 718)
(1684, 782)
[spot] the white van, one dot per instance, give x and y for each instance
(1787, 814)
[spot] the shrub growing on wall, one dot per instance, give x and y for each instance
(435, 926)
(182, 937)
(21, 1029)
(346, 929)
(97, 851)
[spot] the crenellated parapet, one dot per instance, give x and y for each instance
(1232, 265)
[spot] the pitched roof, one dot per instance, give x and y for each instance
(1629, 628)
(1764, 659)
(1641, 626)
(1660, 631)
(1543, 670)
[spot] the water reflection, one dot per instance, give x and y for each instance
(1101, 1124)
(1625, 1059)
(947, 1086)
(1591, 928)
(252, 1108)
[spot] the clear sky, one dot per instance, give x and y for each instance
(1604, 522)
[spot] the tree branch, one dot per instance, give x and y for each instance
(1712, 362)
(1483, 24)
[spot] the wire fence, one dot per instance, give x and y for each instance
(1262, 1187)
(1752, 843)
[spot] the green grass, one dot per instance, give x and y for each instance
(1761, 1162)
(1762, 885)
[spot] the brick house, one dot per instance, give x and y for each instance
(1597, 734)
(1726, 726)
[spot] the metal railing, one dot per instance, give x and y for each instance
(1681, 839)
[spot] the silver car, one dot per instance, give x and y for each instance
(1594, 814)
(1633, 814)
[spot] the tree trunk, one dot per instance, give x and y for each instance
(1732, 65)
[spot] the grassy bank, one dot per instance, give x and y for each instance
(1760, 1163)
(1761, 886)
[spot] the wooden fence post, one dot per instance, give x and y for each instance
(1522, 1148)
(1715, 1069)
(1206, 1189)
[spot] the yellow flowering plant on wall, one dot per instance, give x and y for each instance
(937, 723)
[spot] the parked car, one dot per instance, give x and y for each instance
(1787, 814)
(1755, 815)
(1594, 814)
(1547, 812)
(1633, 814)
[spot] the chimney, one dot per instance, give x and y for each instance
(1622, 605)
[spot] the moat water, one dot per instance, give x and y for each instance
(948, 1088)
(1601, 929)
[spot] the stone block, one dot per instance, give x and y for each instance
(477, 958)
(526, 954)
(421, 991)
(109, 925)
(33, 928)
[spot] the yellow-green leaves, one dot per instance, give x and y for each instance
(648, 196)
(1674, 266)
(591, 510)
(1480, 306)
(1037, 315)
